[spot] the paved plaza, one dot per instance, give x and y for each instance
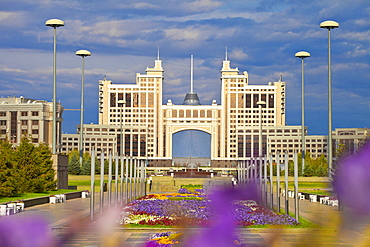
(70, 222)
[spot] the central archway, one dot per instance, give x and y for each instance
(188, 144)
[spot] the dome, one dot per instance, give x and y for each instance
(191, 99)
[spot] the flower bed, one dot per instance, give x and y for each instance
(170, 239)
(195, 210)
(164, 239)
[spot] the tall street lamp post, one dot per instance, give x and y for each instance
(329, 25)
(260, 104)
(122, 103)
(83, 54)
(260, 153)
(303, 55)
(54, 23)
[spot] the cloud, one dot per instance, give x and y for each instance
(198, 33)
(12, 19)
(143, 5)
(349, 66)
(238, 54)
(200, 5)
(359, 51)
(355, 36)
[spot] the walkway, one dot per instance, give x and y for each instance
(105, 233)
(59, 214)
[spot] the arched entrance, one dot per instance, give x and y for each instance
(191, 146)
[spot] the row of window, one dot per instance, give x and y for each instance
(23, 113)
(134, 110)
(295, 145)
(22, 122)
(188, 121)
(192, 113)
(3, 136)
(75, 144)
(298, 140)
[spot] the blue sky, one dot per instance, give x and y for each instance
(262, 38)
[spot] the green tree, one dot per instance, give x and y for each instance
(33, 168)
(74, 167)
(106, 165)
(86, 164)
(314, 167)
(317, 167)
(291, 165)
(97, 165)
(45, 165)
(7, 187)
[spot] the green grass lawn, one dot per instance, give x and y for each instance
(33, 195)
(311, 185)
(318, 188)
(313, 188)
(83, 182)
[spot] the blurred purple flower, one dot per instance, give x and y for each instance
(352, 181)
(222, 232)
(28, 232)
(184, 191)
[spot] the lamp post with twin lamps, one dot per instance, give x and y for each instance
(329, 25)
(303, 55)
(83, 54)
(54, 23)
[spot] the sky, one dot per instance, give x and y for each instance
(123, 36)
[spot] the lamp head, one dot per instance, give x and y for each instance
(83, 53)
(302, 54)
(261, 102)
(54, 23)
(329, 24)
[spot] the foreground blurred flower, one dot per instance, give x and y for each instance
(222, 232)
(352, 181)
(30, 232)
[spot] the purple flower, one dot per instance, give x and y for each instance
(184, 191)
(221, 233)
(352, 181)
(29, 232)
(199, 190)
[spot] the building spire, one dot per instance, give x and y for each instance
(191, 73)
(158, 53)
(191, 98)
(226, 57)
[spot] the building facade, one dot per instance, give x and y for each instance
(23, 117)
(29, 117)
(148, 125)
(134, 122)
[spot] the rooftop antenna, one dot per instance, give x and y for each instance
(226, 58)
(191, 98)
(191, 73)
(158, 53)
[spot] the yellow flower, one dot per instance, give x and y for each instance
(175, 236)
(163, 240)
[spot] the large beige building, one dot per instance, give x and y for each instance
(32, 118)
(29, 117)
(134, 122)
(148, 125)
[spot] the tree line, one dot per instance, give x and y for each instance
(25, 168)
(76, 168)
